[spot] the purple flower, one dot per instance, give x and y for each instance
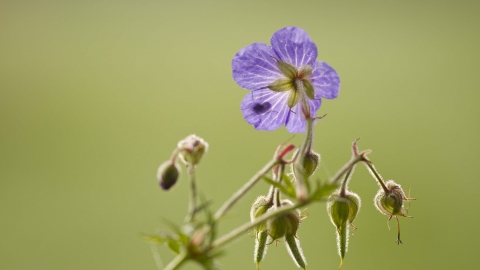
(285, 79)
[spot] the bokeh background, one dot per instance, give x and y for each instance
(94, 95)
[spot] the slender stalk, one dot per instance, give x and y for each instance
(348, 166)
(298, 165)
(376, 175)
(192, 205)
(278, 179)
(346, 179)
(176, 262)
(243, 190)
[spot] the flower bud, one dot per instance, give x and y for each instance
(282, 224)
(259, 207)
(343, 209)
(311, 161)
(167, 174)
(192, 149)
(390, 203)
(260, 247)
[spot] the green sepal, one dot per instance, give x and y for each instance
(305, 72)
(281, 85)
(309, 89)
(295, 251)
(293, 98)
(288, 70)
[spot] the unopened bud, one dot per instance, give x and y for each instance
(192, 149)
(259, 207)
(311, 161)
(167, 174)
(391, 202)
(343, 209)
(282, 224)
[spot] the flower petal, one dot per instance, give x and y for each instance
(296, 121)
(254, 68)
(265, 109)
(325, 80)
(294, 46)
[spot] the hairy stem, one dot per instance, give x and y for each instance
(300, 177)
(376, 175)
(243, 190)
(176, 262)
(192, 205)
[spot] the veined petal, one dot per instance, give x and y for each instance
(265, 109)
(325, 80)
(296, 121)
(254, 68)
(294, 46)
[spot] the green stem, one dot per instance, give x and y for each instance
(192, 205)
(346, 179)
(176, 262)
(243, 190)
(376, 175)
(302, 189)
(278, 179)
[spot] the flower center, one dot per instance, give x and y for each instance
(297, 81)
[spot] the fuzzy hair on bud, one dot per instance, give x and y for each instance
(390, 203)
(167, 174)
(192, 149)
(295, 250)
(280, 225)
(311, 161)
(343, 209)
(259, 207)
(260, 247)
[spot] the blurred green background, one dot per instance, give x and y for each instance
(94, 95)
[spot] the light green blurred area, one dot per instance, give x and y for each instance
(94, 95)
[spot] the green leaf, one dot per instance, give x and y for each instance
(279, 186)
(288, 183)
(174, 246)
(323, 191)
(154, 239)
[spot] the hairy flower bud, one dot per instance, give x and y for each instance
(343, 209)
(192, 149)
(391, 202)
(311, 161)
(167, 174)
(259, 207)
(282, 224)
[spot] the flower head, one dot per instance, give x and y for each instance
(287, 82)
